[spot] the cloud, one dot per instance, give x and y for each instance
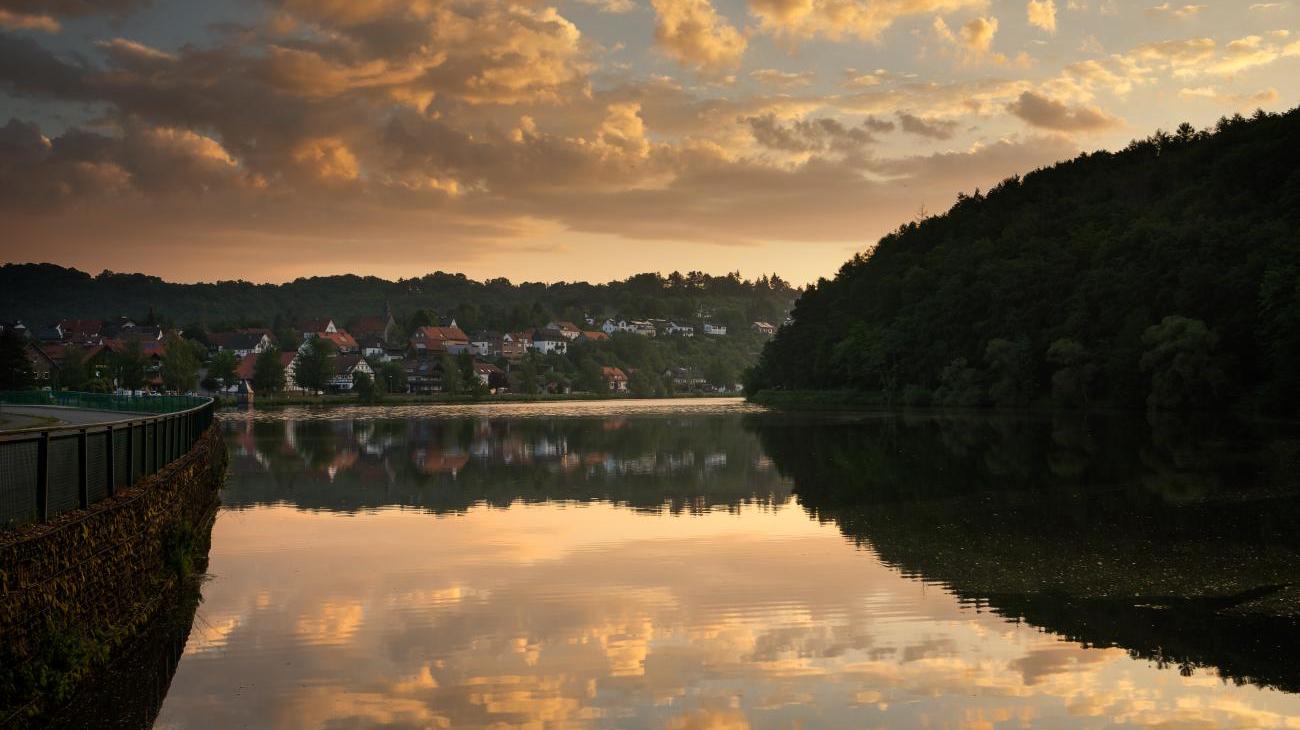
(782, 79)
(1240, 102)
(841, 19)
(1177, 12)
(931, 128)
(1252, 51)
(821, 135)
(1040, 111)
(1042, 14)
(70, 8)
(693, 33)
(611, 6)
(973, 41)
(28, 21)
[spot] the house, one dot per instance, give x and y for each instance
(672, 328)
(423, 375)
(344, 343)
(45, 360)
(84, 331)
(345, 369)
(366, 329)
(615, 378)
(641, 327)
(240, 343)
(513, 348)
(16, 325)
(375, 347)
(594, 336)
(610, 327)
(764, 328)
(713, 328)
(485, 343)
(686, 379)
(491, 376)
(451, 340)
(247, 367)
(548, 341)
(310, 327)
(568, 329)
(52, 333)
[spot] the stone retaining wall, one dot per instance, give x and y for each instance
(76, 589)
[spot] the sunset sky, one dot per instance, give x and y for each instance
(584, 139)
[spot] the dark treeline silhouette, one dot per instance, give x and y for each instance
(1174, 539)
(1166, 275)
(44, 293)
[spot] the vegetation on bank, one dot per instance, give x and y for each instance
(1164, 275)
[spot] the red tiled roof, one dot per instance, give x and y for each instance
(244, 370)
(595, 335)
(440, 334)
(610, 373)
(82, 326)
(341, 339)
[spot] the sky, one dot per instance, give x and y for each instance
(267, 140)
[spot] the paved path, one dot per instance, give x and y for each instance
(14, 417)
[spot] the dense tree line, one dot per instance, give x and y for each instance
(44, 293)
(1166, 275)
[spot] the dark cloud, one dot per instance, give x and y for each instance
(931, 128)
(72, 8)
(1040, 111)
(821, 134)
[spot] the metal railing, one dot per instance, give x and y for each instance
(46, 471)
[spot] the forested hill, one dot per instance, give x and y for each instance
(1167, 274)
(45, 293)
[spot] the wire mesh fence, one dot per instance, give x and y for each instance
(45, 472)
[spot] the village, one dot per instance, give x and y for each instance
(372, 356)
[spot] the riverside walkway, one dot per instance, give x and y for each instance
(61, 451)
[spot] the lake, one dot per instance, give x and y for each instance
(706, 564)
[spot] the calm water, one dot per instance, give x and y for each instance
(707, 565)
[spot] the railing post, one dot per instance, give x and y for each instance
(43, 477)
(130, 453)
(83, 470)
(110, 462)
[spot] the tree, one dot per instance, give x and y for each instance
(222, 368)
(528, 381)
(315, 368)
(1183, 365)
(591, 377)
(129, 366)
(391, 377)
(268, 371)
(453, 380)
(1012, 371)
(73, 374)
(1072, 383)
(721, 373)
(180, 365)
(365, 388)
(643, 383)
(15, 367)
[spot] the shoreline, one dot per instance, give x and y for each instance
(349, 400)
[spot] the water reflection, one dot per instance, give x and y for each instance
(660, 570)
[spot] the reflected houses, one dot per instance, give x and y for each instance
(1179, 543)
(452, 463)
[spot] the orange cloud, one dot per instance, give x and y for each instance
(692, 32)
